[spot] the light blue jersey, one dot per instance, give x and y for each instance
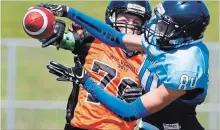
(185, 68)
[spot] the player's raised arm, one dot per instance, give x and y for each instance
(97, 28)
(71, 40)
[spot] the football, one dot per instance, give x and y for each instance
(38, 23)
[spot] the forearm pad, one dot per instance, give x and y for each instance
(69, 41)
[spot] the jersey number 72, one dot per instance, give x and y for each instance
(110, 74)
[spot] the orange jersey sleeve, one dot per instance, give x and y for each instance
(114, 72)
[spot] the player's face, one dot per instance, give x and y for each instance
(128, 23)
(161, 27)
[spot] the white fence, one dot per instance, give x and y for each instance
(213, 106)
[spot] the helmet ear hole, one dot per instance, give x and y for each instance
(196, 28)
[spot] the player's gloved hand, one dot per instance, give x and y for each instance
(79, 71)
(62, 72)
(57, 36)
(74, 27)
(130, 94)
(58, 10)
(82, 34)
(75, 74)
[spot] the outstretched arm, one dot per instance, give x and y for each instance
(104, 32)
(98, 29)
(126, 111)
(76, 37)
(141, 107)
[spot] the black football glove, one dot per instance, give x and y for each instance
(79, 71)
(62, 72)
(75, 74)
(130, 94)
(58, 10)
(57, 36)
(74, 27)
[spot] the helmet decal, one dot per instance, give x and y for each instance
(135, 8)
(160, 9)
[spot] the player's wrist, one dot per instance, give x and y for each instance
(88, 84)
(64, 11)
(81, 75)
(85, 78)
(68, 42)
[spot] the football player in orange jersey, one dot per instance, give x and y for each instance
(115, 69)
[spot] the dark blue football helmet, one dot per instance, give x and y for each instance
(141, 9)
(176, 22)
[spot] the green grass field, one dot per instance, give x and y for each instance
(35, 83)
(96, 9)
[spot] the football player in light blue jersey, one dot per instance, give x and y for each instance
(175, 70)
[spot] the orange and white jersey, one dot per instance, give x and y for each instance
(114, 72)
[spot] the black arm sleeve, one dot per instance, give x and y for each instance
(82, 48)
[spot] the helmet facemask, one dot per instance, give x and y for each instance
(127, 22)
(165, 33)
(163, 30)
(140, 10)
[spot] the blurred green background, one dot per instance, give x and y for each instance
(34, 82)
